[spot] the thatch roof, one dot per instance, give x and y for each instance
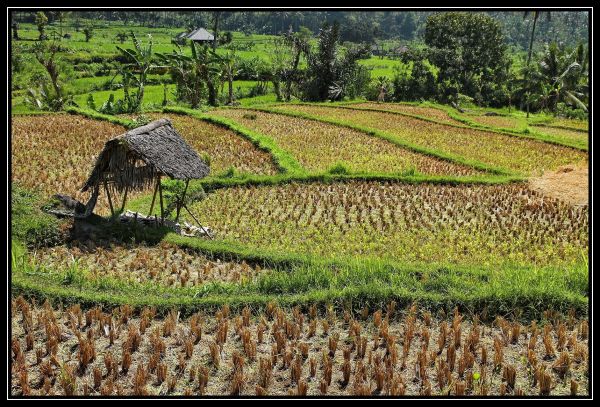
(135, 158)
(200, 35)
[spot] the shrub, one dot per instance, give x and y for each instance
(30, 224)
(141, 120)
(91, 103)
(563, 110)
(339, 169)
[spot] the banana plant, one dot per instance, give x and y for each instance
(139, 63)
(194, 73)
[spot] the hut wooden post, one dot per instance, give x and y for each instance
(154, 196)
(180, 203)
(124, 198)
(162, 208)
(112, 210)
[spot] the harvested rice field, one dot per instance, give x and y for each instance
(163, 264)
(570, 123)
(428, 112)
(257, 224)
(403, 222)
(502, 122)
(525, 156)
(576, 135)
(75, 351)
(320, 146)
(223, 147)
(54, 154)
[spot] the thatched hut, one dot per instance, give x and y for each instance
(139, 158)
(200, 35)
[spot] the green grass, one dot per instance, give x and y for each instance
(303, 280)
(382, 66)
(92, 114)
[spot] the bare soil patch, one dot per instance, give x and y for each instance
(568, 183)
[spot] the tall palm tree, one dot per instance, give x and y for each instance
(300, 44)
(563, 73)
(536, 15)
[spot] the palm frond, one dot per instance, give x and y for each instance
(576, 101)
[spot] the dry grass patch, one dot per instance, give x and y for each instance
(224, 147)
(163, 264)
(564, 133)
(429, 112)
(55, 153)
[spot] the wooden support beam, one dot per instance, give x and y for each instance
(112, 209)
(162, 208)
(154, 197)
(180, 203)
(199, 224)
(124, 198)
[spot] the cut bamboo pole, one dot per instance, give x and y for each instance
(162, 208)
(199, 224)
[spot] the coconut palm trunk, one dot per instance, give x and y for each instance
(535, 18)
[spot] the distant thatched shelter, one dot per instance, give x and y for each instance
(200, 35)
(139, 158)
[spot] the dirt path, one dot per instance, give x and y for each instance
(568, 183)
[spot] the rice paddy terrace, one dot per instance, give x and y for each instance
(330, 221)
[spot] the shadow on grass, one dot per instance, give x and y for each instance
(97, 231)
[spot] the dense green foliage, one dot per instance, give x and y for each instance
(469, 50)
(357, 26)
(467, 58)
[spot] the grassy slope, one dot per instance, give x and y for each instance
(302, 280)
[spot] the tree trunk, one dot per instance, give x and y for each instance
(230, 80)
(288, 85)
(212, 93)
(535, 17)
(140, 95)
(217, 15)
